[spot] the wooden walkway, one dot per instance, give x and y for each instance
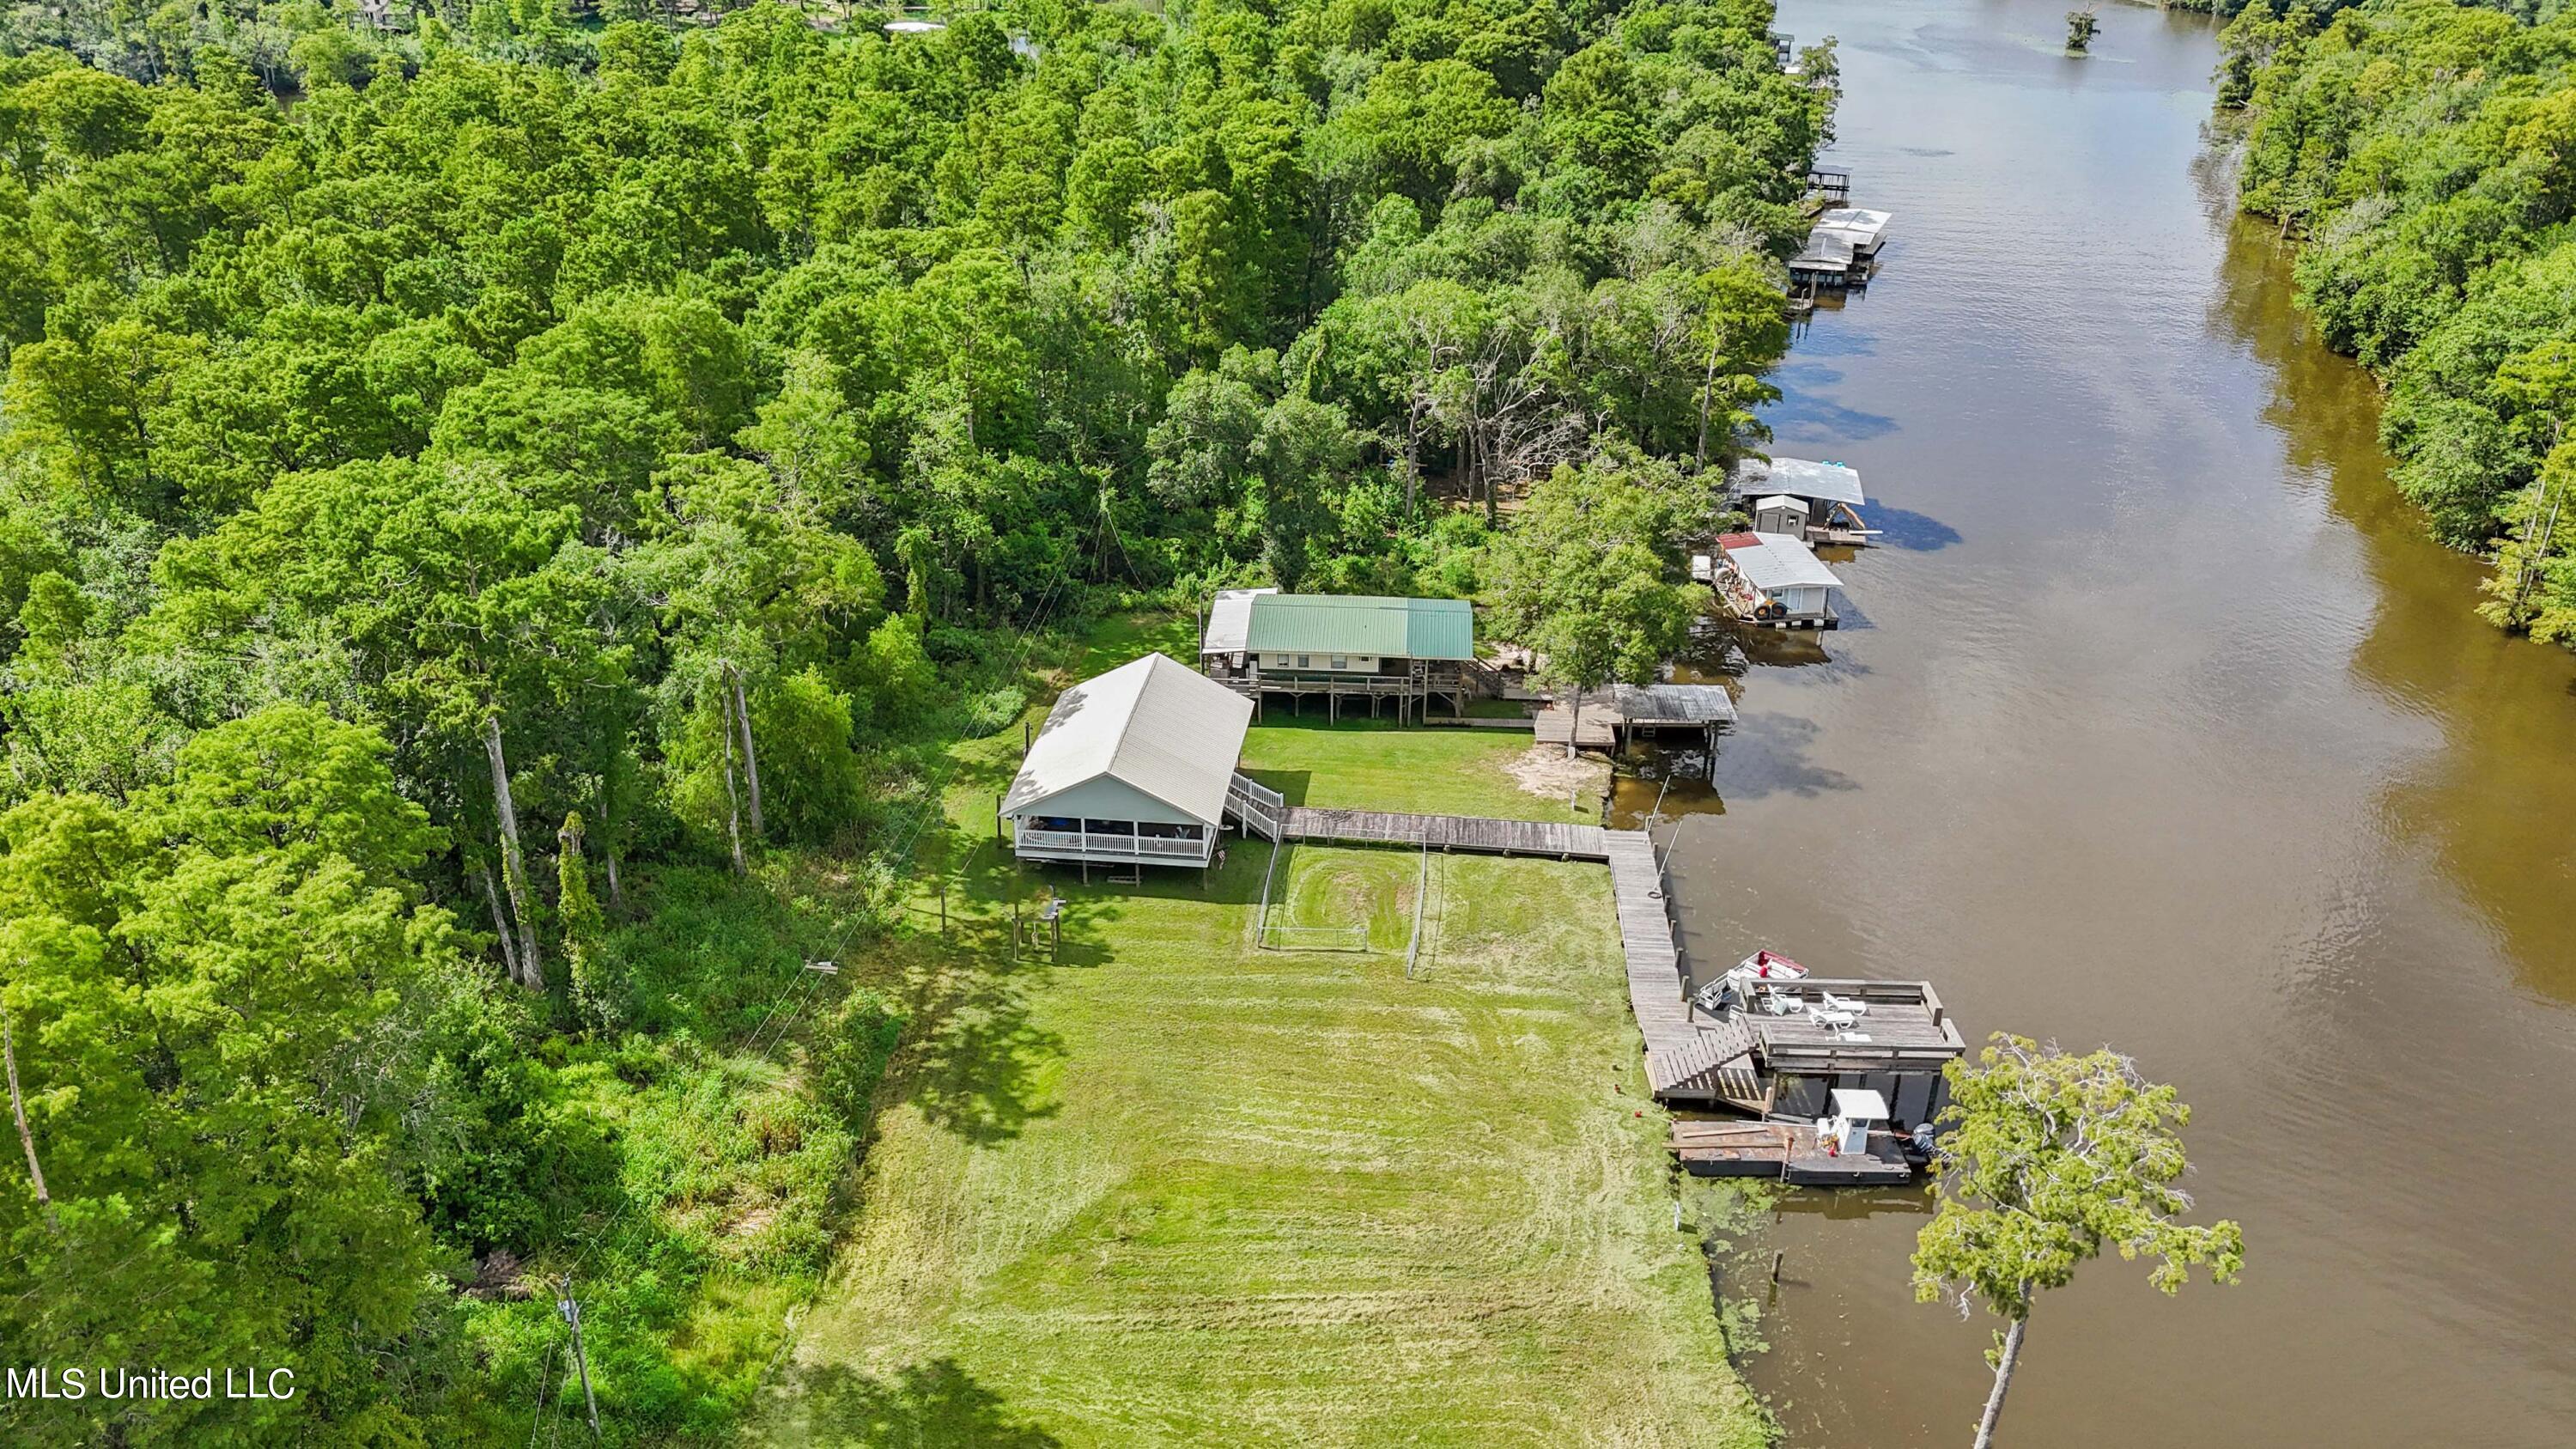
(1595, 732)
(1448, 832)
(1684, 1057)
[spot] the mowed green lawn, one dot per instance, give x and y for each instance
(1172, 1189)
(1420, 769)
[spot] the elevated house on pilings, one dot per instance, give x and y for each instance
(1415, 657)
(1132, 767)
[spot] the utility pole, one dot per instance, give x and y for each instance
(570, 1308)
(26, 1138)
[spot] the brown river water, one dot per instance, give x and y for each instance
(2156, 722)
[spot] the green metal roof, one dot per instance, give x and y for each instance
(1363, 624)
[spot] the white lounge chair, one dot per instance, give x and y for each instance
(1836, 1003)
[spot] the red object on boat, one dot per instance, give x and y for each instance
(1770, 965)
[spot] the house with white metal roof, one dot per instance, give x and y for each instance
(1131, 767)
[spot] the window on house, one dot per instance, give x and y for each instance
(1305, 661)
(1340, 662)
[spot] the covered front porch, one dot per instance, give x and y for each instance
(1111, 842)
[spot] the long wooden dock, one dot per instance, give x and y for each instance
(1688, 1057)
(1448, 832)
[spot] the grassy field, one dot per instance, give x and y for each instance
(1159, 1186)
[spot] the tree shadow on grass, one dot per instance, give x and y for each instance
(1291, 784)
(926, 1406)
(975, 1054)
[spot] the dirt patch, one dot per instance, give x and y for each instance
(1544, 770)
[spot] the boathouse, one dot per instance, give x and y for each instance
(1826, 261)
(1343, 647)
(1773, 580)
(1131, 767)
(1816, 501)
(1866, 230)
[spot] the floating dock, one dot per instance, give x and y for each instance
(1788, 1151)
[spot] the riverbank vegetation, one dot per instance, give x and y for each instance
(2424, 153)
(495, 555)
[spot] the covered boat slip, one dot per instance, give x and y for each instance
(1134, 766)
(1888, 1037)
(1865, 230)
(1611, 715)
(1841, 250)
(1828, 261)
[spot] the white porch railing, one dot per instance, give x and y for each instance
(1087, 845)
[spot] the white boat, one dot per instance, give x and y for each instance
(1767, 965)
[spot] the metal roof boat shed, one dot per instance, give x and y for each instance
(1131, 766)
(1828, 260)
(1799, 478)
(1862, 228)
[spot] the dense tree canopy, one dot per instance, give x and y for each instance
(2426, 151)
(498, 503)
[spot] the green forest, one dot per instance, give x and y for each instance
(2424, 153)
(502, 506)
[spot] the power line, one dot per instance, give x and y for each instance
(931, 810)
(544, 1366)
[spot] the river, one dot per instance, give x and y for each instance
(2158, 723)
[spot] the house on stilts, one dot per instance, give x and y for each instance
(1133, 767)
(1413, 657)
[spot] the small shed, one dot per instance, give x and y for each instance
(1780, 513)
(1131, 767)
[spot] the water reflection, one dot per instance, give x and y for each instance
(2496, 804)
(2183, 738)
